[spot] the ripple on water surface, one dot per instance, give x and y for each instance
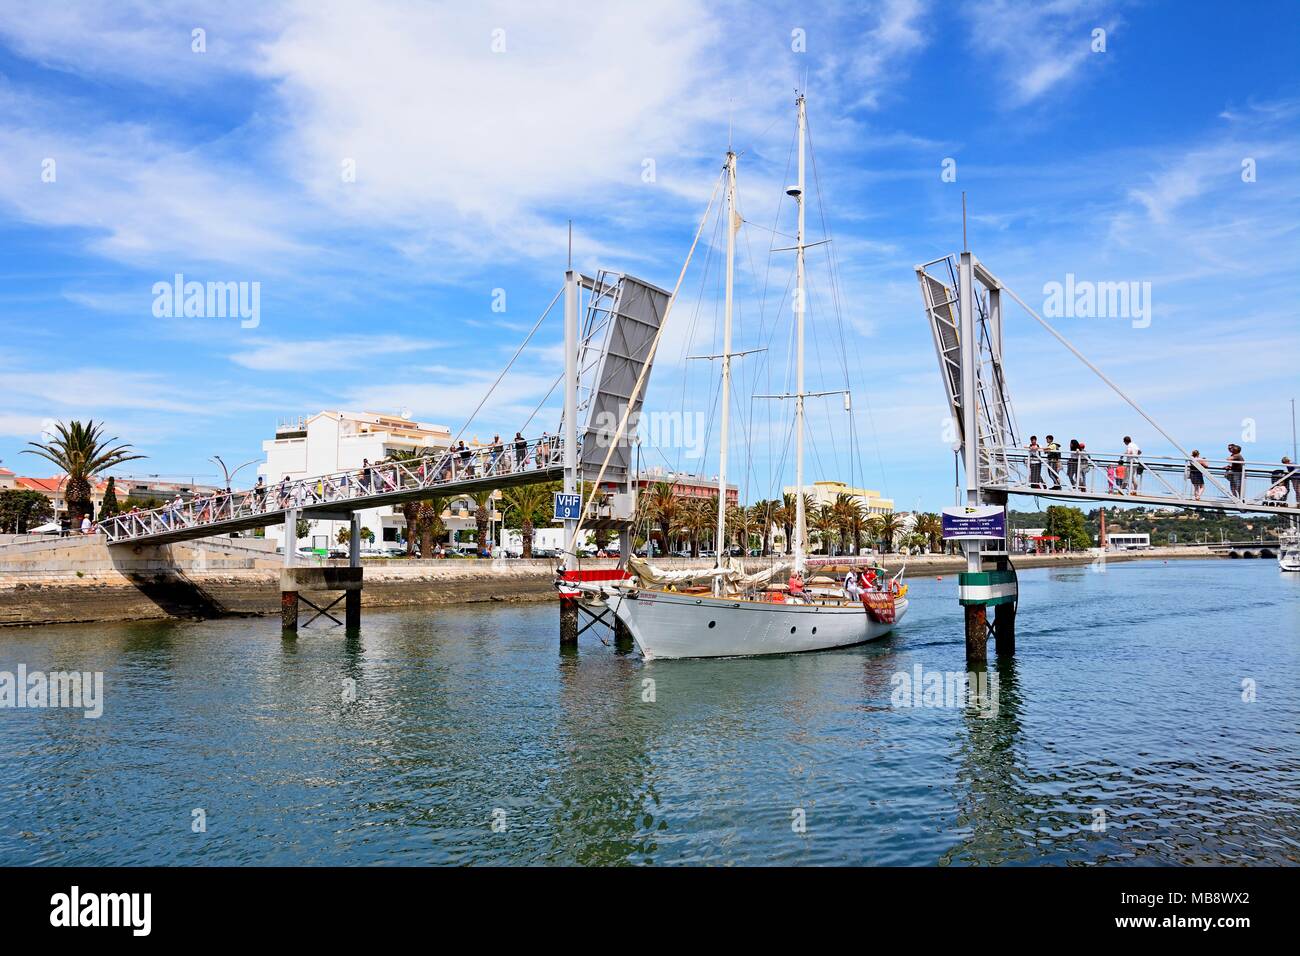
(1127, 705)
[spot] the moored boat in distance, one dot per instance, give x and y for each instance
(1288, 549)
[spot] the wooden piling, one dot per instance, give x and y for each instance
(1004, 629)
(352, 610)
(568, 620)
(289, 610)
(977, 635)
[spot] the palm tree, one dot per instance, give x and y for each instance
(849, 514)
(915, 541)
(697, 519)
(482, 516)
(528, 502)
(826, 523)
(785, 517)
(738, 526)
(410, 509)
(662, 507)
(763, 514)
(428, 522)
(888, 525)
(931, 525)
(81, 452)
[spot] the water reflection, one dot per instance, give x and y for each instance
(460, 713)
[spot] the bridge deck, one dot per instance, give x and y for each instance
(337, 496)
(1158, 501)
(1256, 488)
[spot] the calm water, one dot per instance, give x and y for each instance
(1126, 696)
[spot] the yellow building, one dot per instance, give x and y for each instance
(825, 493)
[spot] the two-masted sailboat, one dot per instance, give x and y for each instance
(724, 611)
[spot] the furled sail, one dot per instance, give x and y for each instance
(733, 574)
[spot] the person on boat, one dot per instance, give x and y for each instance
(851, 589)
(796, 585)
(869, 580)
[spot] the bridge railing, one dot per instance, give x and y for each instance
(382, 478)
(1213, 481)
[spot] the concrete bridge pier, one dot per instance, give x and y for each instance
(289, 599)
(352, 599)
(295, 579)
(622, 636)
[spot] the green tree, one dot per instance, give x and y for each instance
(21, 511)
(428, 523)
(662, 506)
(303, 528)
(1069, 525)
(826, 524)
(785, 517)
(931, 525)
(888, 525)
(108, 506)
(410, 509)
(527, 506)
(482, 517)
(81, 452)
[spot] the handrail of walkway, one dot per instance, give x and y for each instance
(1213, 481)
(386, 477)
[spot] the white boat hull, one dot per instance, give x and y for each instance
(672, 625)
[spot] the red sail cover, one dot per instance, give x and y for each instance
(879, 605)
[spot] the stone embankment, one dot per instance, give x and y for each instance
(67, 580)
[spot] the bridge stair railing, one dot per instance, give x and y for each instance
(348, 489)
(1240, 486)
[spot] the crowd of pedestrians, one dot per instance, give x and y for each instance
(457, 463)
(1051, 468)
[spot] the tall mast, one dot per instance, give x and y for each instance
(726, 363)
(800, 520)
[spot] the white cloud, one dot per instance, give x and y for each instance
(332, 354)
(1039, 46)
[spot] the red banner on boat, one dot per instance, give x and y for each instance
(880, 606)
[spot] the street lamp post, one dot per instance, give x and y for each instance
(227, 473)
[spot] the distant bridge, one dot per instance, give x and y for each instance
(1246, 549)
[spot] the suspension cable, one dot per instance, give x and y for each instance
(1105, 378)
(528, 338)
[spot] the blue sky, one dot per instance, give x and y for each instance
(377, 293)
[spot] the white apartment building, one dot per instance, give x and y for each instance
(334, 441)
